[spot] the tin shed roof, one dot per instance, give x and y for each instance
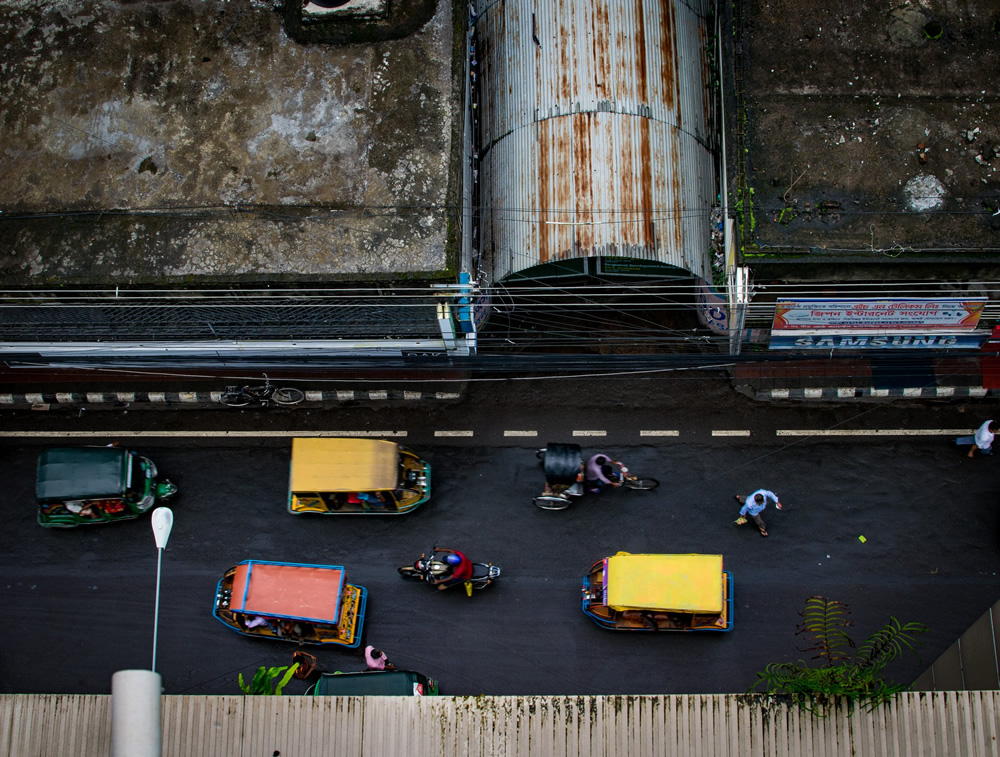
(593, 133)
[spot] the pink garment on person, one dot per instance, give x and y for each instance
(375, 663)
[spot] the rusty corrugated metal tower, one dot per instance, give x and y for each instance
(593, 134)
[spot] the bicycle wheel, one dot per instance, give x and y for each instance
(288, 395)
(408, 571)
(235, 398)
(644, 484)
(551, 503)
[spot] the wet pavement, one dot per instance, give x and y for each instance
(928, 515)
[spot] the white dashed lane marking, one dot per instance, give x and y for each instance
(453, 433)
(594, 432)
(659, 432)
(511, 432)
(199, 434)
(731, 432)
(875, 432)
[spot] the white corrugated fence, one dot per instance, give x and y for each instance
(939, 724)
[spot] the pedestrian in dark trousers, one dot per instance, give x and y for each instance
(754, 505)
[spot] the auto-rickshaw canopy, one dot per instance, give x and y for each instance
(288, 590)
(680, 583)
(344, 465)
(81, 473)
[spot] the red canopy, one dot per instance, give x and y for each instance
(288, 590)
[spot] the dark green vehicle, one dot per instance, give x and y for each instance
(390, 683)
(80, 485)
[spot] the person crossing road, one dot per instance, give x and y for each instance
(754, 505)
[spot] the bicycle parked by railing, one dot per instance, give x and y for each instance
(241, 396)
(566, 476)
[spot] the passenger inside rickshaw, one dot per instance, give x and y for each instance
(367, 500)
(655, 620)
(371, 499)
(95, 509)
(279, 626)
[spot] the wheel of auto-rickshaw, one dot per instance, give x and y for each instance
(562, 463)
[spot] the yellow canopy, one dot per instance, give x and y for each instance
(681, 583)
(344, 465)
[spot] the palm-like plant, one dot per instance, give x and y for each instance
(841, 672)
(263, 682)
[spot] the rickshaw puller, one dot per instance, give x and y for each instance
(600, 471)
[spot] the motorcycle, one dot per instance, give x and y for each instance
(436, 566)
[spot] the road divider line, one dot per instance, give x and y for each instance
(197, 434)
(512, 432)
(594, 432)
(730, 432)
(453, 433)
(659, 432)
(875, 432)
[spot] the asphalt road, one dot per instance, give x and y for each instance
(79, 603)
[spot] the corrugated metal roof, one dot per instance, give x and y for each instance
(280, 318)
(593, 130)
(941, 724)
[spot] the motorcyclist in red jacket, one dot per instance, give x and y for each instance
(448, 567)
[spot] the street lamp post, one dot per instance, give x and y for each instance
(163, 521)
(136, 729)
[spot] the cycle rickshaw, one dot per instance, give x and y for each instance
(565, 476)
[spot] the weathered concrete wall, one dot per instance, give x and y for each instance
(190, 140)
(873, 130)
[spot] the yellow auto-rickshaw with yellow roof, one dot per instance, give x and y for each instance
(627, 592)
(337, 476)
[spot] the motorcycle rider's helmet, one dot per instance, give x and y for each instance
(453, 559)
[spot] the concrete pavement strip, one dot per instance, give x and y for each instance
(46, 400)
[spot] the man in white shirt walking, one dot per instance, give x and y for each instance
(984, 439)
(754, 505)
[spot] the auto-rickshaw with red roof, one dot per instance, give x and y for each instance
(303, 603)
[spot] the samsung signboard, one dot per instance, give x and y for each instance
(881, 341)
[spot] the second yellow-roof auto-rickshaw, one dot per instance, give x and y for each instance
(356, 477)
(627, 592)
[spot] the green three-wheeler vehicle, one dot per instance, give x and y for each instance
(82, 485)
